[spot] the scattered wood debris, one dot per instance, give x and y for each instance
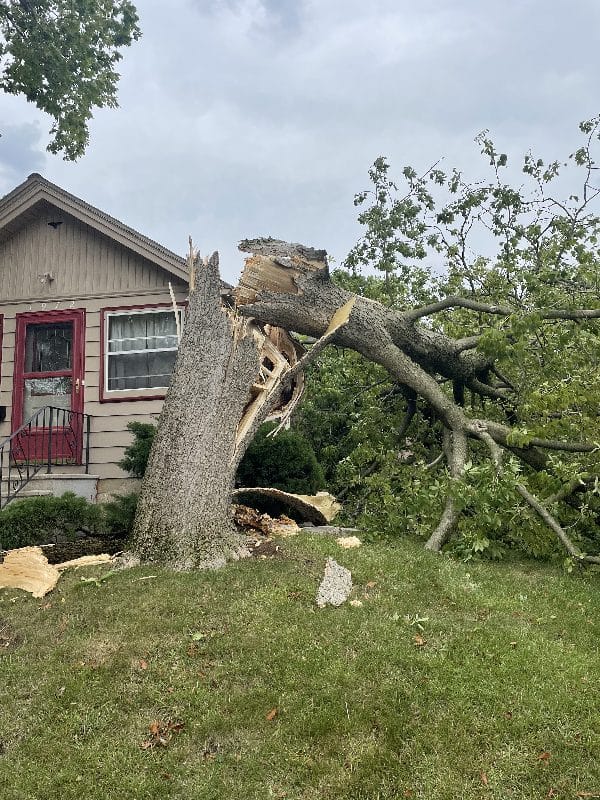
(251, 519)
(318, 508)
(85, 561)
(27, 568)
(347, 542)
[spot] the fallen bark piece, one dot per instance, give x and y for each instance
(348, 542)
(318, 508)
(336, 585)
(27, 568)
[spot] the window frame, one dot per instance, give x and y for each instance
(122, 395)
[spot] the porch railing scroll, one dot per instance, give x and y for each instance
(51, 437)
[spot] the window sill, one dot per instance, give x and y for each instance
(127, 395)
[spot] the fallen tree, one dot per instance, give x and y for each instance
(216, 401)
(231, 373)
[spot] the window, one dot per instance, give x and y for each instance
(139, 349)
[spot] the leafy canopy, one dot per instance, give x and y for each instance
(62, 54)
(525, 238)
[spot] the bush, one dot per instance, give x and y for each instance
(286, 461)
(46, 520)
(119, 515)
(137, 453)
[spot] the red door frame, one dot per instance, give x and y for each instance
(77, 317)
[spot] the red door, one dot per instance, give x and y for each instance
(49, 372)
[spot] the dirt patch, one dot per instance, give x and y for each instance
(265, 549)
(88, 546)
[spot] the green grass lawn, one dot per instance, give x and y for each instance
(449, 681)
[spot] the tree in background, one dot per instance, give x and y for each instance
(62, 54)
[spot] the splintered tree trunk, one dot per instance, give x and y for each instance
(184, 512)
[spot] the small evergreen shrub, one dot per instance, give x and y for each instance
(136, 455)
(47, 520)
(119, 515)
(286, 461)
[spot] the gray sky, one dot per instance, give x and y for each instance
(243, 118)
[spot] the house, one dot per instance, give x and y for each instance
(89, 339)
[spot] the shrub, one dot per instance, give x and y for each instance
(286, 461)
(119, 515)
(46, 520)
(137, 453)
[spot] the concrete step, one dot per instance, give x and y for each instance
(32, 493)
(46, 485)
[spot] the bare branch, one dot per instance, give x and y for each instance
(547, 517)
(456, 442)
(503, 311)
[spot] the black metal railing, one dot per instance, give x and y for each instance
(51, 437)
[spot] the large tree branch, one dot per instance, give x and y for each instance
(457, 445)
(290, 288)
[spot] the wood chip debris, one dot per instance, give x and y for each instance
(27, 568)
(348, 542)
(251, 519)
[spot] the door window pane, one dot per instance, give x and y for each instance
(40, 392)
(49, 348)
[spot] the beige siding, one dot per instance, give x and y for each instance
(82, 261)
(93, 273)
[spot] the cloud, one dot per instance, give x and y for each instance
(250, 117)
(20, 153)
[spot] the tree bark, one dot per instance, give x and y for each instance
(183, 517)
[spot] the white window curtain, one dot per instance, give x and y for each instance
(141, 350)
